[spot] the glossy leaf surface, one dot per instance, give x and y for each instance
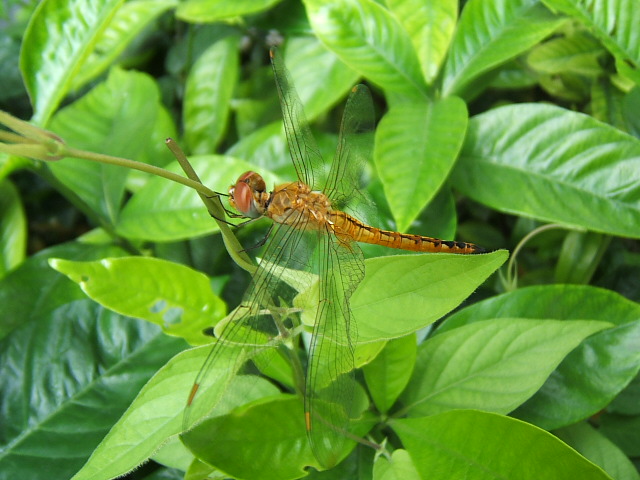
(416, 147)
(467, 443)
(494, 365)
(611, 355)
(65, 31)
(592, 182)
(172, 296)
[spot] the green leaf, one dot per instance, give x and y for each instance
(398, 467)
(571, 393)
(60, 36)
(157, 413)
(79, 368)
(303, 56)
(614, 22)
(580, 256)
(13, 228)
(156, 151)
(265, 148)
(177, 298)
(269, 432)
(208, 93)
(76, 359)
(117, 118)
(491, 33)
(34, 289)
(493, 365)
(127, 24)
(575, 54)
(597, 448)
(587, 380)
(623, 430)
(440, 218)
(388, 374)
(631, 105)
(370, 40)
(430, 25)
(165, 211)
(416, 147)
(480, 445)
(203, 11)
(566, 167)
(608, 104)
(414, 291)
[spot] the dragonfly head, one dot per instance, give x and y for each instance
(248, 196)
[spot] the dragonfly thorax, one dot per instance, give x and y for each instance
(297, 205)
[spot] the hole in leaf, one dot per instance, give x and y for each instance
(172, 316)
(159, 306)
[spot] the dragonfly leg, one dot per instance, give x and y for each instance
(262, 241)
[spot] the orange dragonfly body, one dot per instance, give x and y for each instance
(297, 205)
(310, 224)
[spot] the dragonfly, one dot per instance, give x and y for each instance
(313, 232)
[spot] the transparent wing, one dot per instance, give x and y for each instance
(355, 147)
(305, 154)
(252, 328)
(330, 379)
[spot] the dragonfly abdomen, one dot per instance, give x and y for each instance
(346, 226)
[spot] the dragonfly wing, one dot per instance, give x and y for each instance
(330, 379)
(304, 150)
(355, 147)
(251, 330)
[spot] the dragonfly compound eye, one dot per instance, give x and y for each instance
(242, 197)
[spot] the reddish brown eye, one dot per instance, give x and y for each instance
(243, 198)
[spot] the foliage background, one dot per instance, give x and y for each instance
(510, 123)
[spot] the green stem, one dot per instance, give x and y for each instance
(216, 210)
(143, 167)
(511, 282)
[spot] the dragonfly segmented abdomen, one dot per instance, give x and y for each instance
(345, 225)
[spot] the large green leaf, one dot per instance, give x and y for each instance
(577, 54)
(117, 117)
(266, 440)
(614, 22)
(416, 147)
(623, 430)
(486, 446)
(370, 40)
(199, 11)
(177, 298)
(60, 36)
(208, 92)
(127, 23)
(494, 365)
(313, 69)
(612, 357)
(80, 366)
(600, 450)
(555, 165)
(430, 25)
(34, 289)
(13, 228)
(69, 370)
(265, 148)
(388, 374)
(489, 34)
(401, 294)
(398, 467)
(165, 211)
(157, 413)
